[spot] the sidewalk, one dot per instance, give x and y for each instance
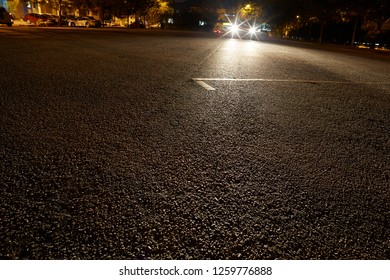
(20, 22)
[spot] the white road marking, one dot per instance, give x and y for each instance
(203, 84)
(292, 81)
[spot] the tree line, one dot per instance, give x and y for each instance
(154, 10)
(339, 21)
(329, 19)
(321, 20)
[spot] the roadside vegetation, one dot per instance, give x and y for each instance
(325, 21)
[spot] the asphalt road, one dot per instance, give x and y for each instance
(145, 144)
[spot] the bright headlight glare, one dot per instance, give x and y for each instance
(234, 28)
(252, 30)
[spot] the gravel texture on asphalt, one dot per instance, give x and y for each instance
(95, 169)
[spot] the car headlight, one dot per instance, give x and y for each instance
(234, 28)
(252, 30)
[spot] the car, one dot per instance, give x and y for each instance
(222, 28)
(110, 23)
(85, 22)
(156, 26)
(63, 20)
(31, 17)
(242, 30)
(40, 19)
(6, 17)
(137, 24)
(66, 20)
(46, 20)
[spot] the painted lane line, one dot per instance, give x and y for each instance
(290, 81)
(204, 85)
